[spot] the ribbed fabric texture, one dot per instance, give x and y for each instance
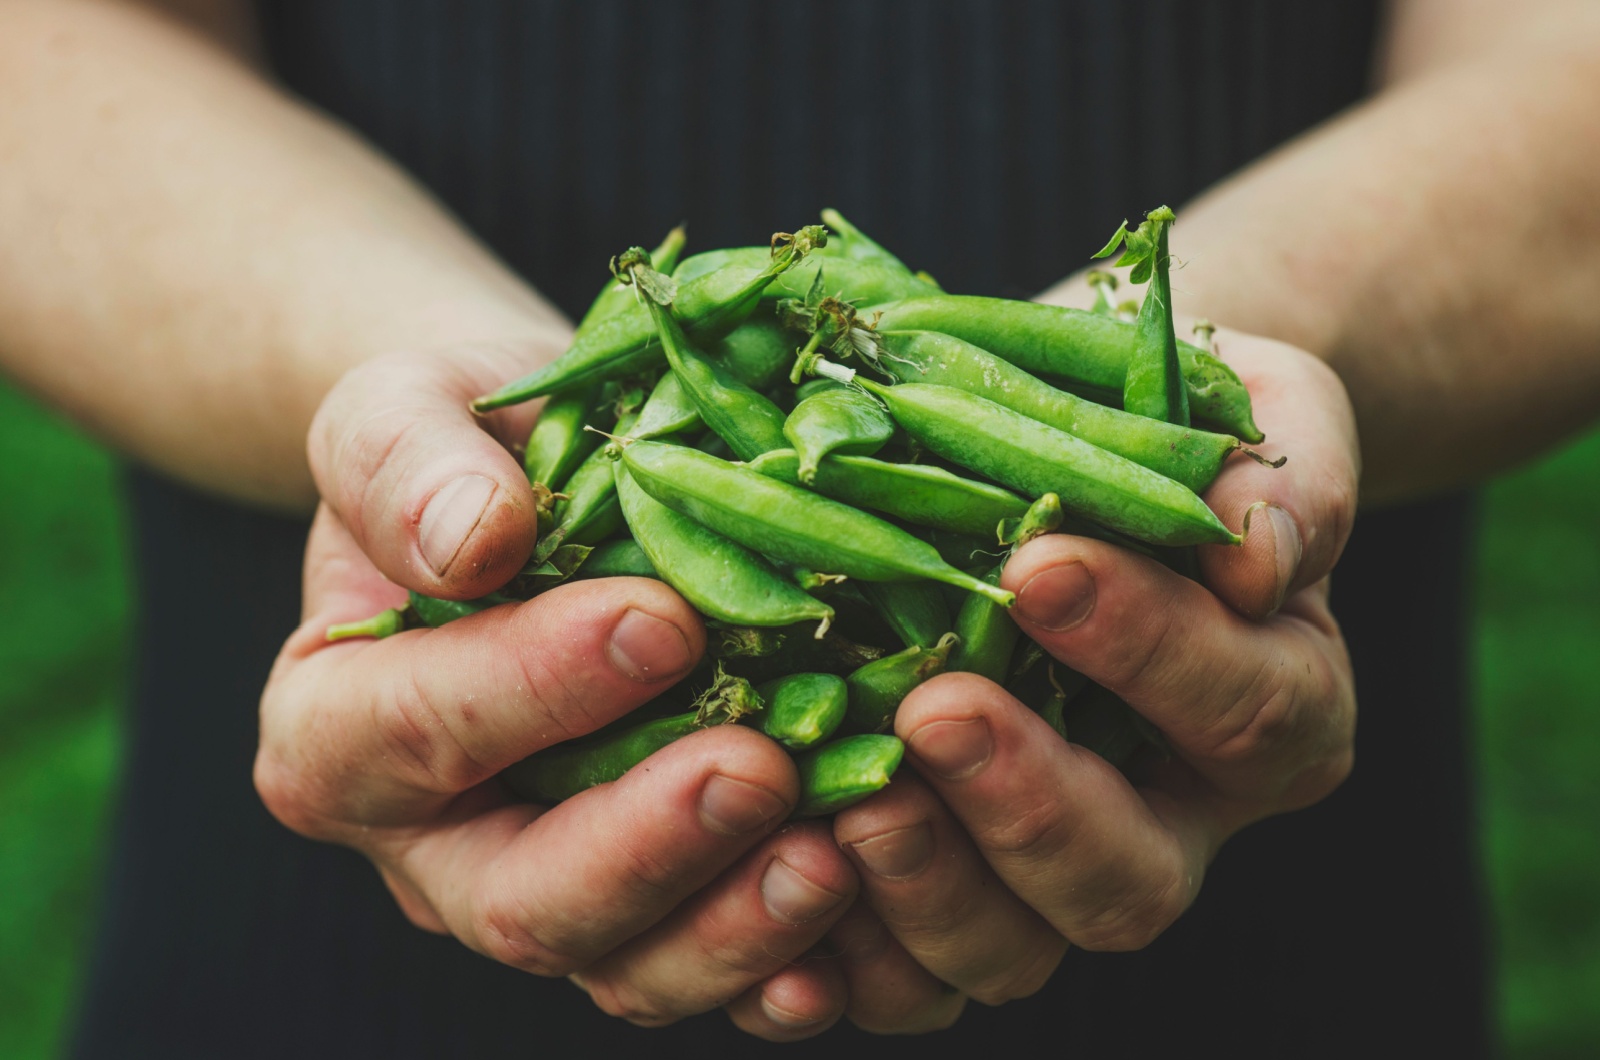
(995, 144)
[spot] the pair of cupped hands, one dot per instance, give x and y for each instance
(681, 887)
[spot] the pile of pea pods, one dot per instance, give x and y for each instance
(831, 458)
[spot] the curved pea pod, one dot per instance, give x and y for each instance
(877, 688)
(707, 306)
(558, 442)
(988, 636)
(745, 419)
(915, 611)
(720, 578)
(561, 771)
(759, 352)
(615, 297)
(1188, 455)
(1044, 516)
(802, 709)
(917, 493)
(590, 513)
(848, 241)
(840, 420)
(1074, 343)
(617, 558)
(842, 773)
(1155, 386)
(668, 411)
(786, 522)
(863, 283)
(1030, 456)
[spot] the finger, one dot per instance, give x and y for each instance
(753, 922)
(796, 1003)
(380, 732)
(429, 491)
(890, 993)
(551, 891)
(1262, 709)
(928, 883)
(1058, 824)
(1299, 515)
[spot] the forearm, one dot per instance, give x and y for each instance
(192, 259)
(1438, 246)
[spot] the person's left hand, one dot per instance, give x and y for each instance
(1004, 844)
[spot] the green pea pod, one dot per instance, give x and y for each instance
(863, 283)
(1030, 456)
(814, 386)
(558, 442)
(802, 709)
(433, 613)
(842, 773)
(1189, 455)
(1073, 343)
(720, 578)
(877, 688)
(708, 306)
(988, 636)
(617, 558)
(841, 420)
(915, 611)
(615, 297)
(787, 523)
(917, 493)
(561, 771)
(760, 351)
(590, 513)
(669, 410)
(746, 420)
(1044, 516)
(1155, 385)
(853, 243)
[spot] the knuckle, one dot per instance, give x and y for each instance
(623, 1000)
(506, 933)
(1019, 979)
(289, 798)
(1139, 918)
(1134, 661)
(416, 737)
(654, 880)
(1035, 833)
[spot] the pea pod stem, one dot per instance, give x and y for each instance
(709, 305)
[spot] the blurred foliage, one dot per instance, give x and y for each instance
(1538, 712)
(63, 657)
(63, 654)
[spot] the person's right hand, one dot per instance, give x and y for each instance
(669, 892)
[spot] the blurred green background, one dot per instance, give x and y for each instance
(64, 654)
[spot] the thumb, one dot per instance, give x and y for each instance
(429, 491)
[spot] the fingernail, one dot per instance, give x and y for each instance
(646, 648)
(793, 899)
(450, 517)
(733, 807)
(1286, 549)
(953, 749)
(783, 1017)
(1058, 598)
(900, 854)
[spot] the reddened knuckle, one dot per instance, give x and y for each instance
(504, 934)
(289, 797)
(619, 998)
(417, 739)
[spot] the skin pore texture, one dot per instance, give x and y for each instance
(229, 287)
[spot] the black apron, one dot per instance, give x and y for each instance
(993, 144)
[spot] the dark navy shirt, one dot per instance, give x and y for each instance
(994, 144)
